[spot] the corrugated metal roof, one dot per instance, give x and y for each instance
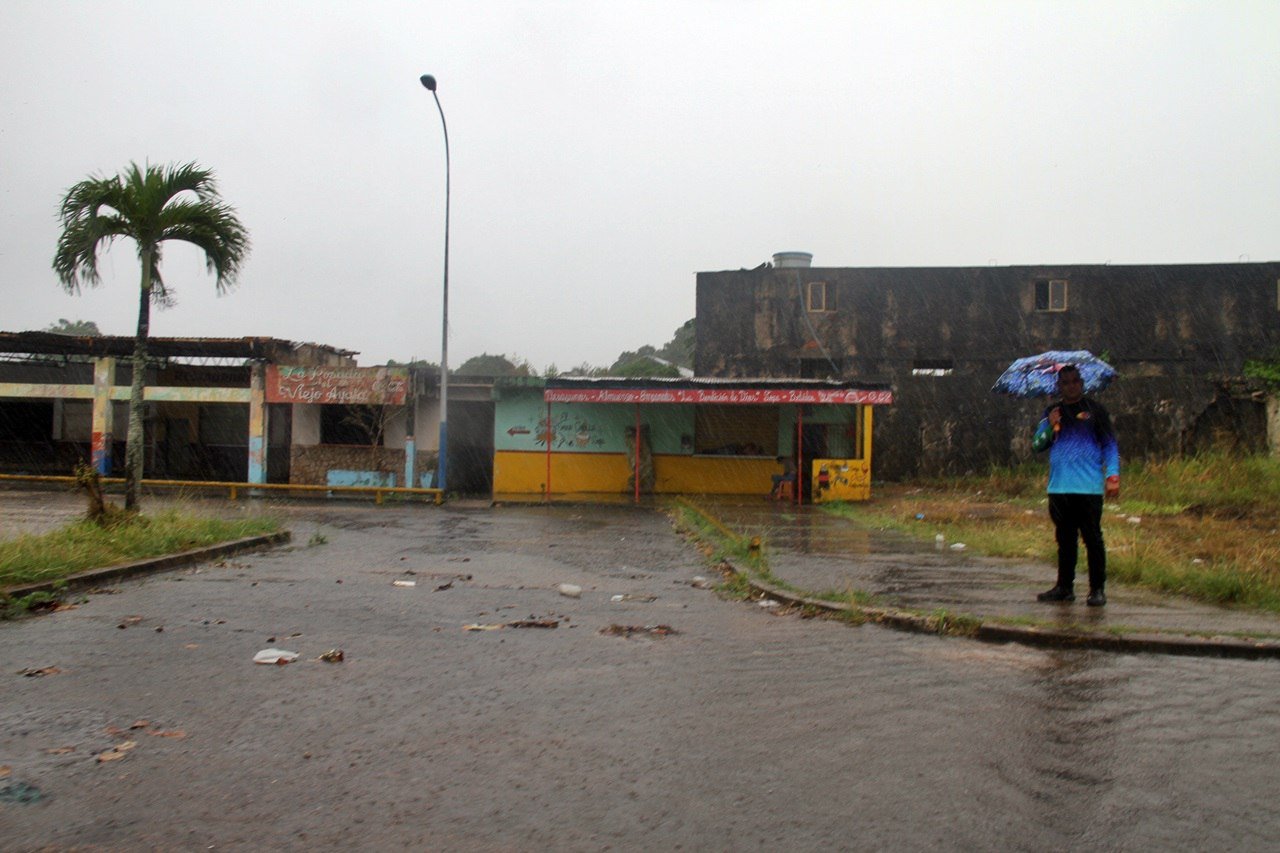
(696, 382)
(49, 343)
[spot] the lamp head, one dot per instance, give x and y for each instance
(428, 81)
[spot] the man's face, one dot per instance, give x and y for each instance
(1070, 386)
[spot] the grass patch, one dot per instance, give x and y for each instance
(745, 552)
(719, 543)
(85, 545)
(12, 607)
(1204, 527)
(956, 624)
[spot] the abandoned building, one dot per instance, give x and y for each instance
(1178, 335)
(248, 410)
(776, 347)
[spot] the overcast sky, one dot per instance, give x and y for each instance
(605, 152)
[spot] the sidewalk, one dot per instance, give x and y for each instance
(816, 552)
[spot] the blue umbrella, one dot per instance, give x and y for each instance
(1037, 375)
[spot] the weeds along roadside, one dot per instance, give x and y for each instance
(1204, 526)
(742, 557)
(746, 555)
(85, 545)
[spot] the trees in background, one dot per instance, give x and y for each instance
(75, 328)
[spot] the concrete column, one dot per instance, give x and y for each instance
(258, 423)
(410, 445)
(104, 377)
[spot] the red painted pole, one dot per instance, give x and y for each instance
(799, 451)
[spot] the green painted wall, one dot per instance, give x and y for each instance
(520, 414)
(519, 421)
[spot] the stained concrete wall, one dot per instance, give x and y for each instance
(1177, 334)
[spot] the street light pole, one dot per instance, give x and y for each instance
(442, 464)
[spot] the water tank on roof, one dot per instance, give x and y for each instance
(792, 260)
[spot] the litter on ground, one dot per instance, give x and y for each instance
(632, 630)
(276, 656)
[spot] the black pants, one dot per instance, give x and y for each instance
(1077, 517)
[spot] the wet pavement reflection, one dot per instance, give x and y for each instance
(820, 552)
(746, 728)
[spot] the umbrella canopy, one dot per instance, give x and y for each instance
(1037, 375)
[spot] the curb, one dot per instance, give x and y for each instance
(993, 632)
(124, 571)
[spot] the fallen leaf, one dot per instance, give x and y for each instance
(5, 770)
(477, 627)
(117, 752)
(60, 750)
(140, 724)
(191, 645)
(32, 672)
(333, 656)
(177, 734)
(61, 606)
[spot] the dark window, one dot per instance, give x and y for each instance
(932, 367)
(1051, 295)
(822, 296)
(363, 425)
(819, 368)
(736, 430)
(26, 421)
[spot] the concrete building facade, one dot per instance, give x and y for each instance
(1179, 336)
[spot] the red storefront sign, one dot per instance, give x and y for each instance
(729, 396)
(385, 386)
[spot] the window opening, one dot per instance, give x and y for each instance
(932, 367)
(357, 424)
(1051, 295)
(735, 430)
(822, 296)
(820, 368)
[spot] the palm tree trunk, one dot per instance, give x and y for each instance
(135, 446)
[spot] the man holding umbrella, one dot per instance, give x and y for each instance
(1084, 465)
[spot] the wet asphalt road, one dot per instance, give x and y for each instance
(747, 729)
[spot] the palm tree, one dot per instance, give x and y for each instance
(149, 206)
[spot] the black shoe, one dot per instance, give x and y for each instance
(1057, 594)
(1097, 598)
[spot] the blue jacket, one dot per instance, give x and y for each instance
(1083, 453)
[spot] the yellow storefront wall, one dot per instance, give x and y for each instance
(522, 472)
